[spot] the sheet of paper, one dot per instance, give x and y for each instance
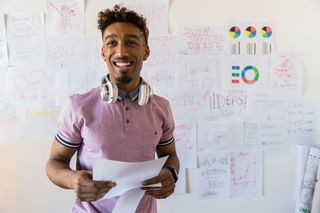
(303, 119)
(29, 84)
(65, 17)
(214, 175)
(246, 73)
(246, 169)
(199, 72)
(309, 181)
(69, 53)
(181, 183)
(155, 11)
(129, 201)
(286, 73)
(185, 136)
(127, 175)
(250, 39)
(220, 136)
(25, 39)
(3, 43)
(265, 133)
(202, 40)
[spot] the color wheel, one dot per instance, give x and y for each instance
(234, 32)
(266, 32)
(251, 32)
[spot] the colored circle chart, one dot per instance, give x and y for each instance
(251, 32)
(247, 69)
(234, 32)
(266, 32)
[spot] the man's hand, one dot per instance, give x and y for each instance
(87, 189)
(166, 188)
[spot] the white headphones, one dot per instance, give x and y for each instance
(109, 91)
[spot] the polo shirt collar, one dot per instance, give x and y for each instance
(131, 95)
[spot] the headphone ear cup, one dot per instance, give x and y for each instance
(145, 94)
(108, 91)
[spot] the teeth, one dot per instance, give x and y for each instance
(122, 64)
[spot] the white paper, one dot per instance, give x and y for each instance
(3, 43)
(155, 11)
(246, 173)
(214, 175)
(127, 175)
(286, 74)
(316, 196)
(220, 136)
(65, 17)
(246, 73)
(181, 183)
(202, 40)
(25, 39)
(185, 136)
(8, 120)
(129, 201)
(199, 72)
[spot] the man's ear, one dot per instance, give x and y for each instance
(146, 52)
(102, 53)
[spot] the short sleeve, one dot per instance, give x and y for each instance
(69, 125)
(168, 128)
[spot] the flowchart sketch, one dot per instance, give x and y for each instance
(202, 40)
(185, 135)
(246, 168)
(3, 43)
(25, 39)
(199, 72)
(155, 11)
(214, 175)
(220, 136)
(69, 53)
(265, 133)
(286, 75)
(29, 85)
(65, 17)
(266, 106)
(8, 120)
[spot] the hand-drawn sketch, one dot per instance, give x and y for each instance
(8, 119)
(25, 39)
(214, 175)
(155, 11)
(65, 17)
(202, 40)
(29, 84)
(186, 143)
(217, 136)
(286, 73)
(246, 173)
(3, 43)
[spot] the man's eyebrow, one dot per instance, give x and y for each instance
(113, 36)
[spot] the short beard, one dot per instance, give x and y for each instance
(123, 80)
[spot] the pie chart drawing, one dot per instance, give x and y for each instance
(266, 32)
(251, 32)
(234, 32)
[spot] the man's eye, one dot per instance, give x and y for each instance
(132, 43)
(111, 43)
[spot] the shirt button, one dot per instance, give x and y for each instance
(127, 121)
(127, 108)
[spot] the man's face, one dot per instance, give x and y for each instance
(124, 50)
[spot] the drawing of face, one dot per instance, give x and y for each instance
(124, 50)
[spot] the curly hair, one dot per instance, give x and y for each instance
(122, 14)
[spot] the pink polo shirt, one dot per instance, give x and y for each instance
(122, 131)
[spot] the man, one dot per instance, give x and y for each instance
(122, 120)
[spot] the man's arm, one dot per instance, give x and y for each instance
(165, 176)
(59, 172)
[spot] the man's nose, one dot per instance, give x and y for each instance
(122, 50)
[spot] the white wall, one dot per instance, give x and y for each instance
(24, 186)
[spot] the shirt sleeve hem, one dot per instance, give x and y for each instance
(166, 142)
(66, 143)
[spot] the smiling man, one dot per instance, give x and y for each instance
(120, 120)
